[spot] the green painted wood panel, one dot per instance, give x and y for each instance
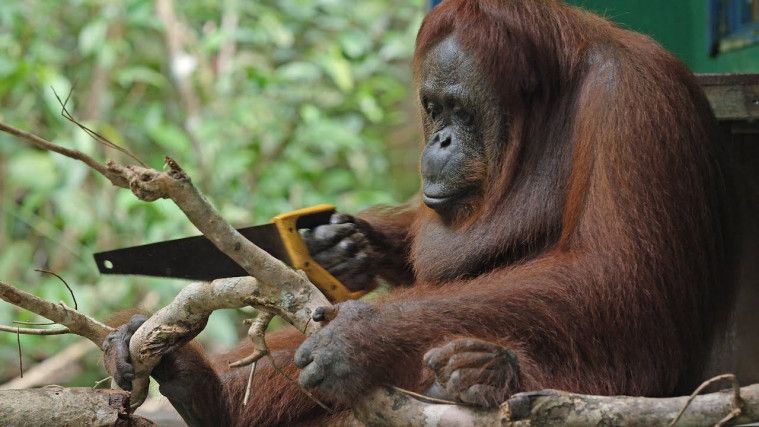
(681, 26)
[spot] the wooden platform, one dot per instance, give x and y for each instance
(733, 97)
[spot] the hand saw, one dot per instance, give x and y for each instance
(196, 258)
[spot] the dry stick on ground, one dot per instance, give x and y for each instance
(290, 295)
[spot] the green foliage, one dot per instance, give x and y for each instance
(270, 105)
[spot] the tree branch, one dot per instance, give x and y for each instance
(76, 322)
(44, 144)
(185, 317)
(67, 406)
(389, 407)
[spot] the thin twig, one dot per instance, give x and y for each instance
(24, 322)
(20, 359)
(256, 333)
(34, 331)
(76, 322)
(736, 403)
(94, 135)
(73, 297)
(47, 145)
(176, 37)
(76, 306)
(100, 382)
(250, 382)
(733, 413)
(424, 398)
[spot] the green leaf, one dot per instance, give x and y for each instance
(337, 67)
(370, 107)
(276, 30)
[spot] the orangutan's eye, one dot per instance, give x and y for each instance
(432, 110)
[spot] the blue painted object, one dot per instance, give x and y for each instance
(734, 24)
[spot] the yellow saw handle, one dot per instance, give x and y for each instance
(300, 259)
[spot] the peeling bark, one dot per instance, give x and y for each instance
(389, 407)
(58, 406)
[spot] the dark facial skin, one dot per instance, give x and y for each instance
(459, 112)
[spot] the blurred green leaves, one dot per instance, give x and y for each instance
(270, 105)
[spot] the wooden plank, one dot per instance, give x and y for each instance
(727, 79)
(732, 96)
